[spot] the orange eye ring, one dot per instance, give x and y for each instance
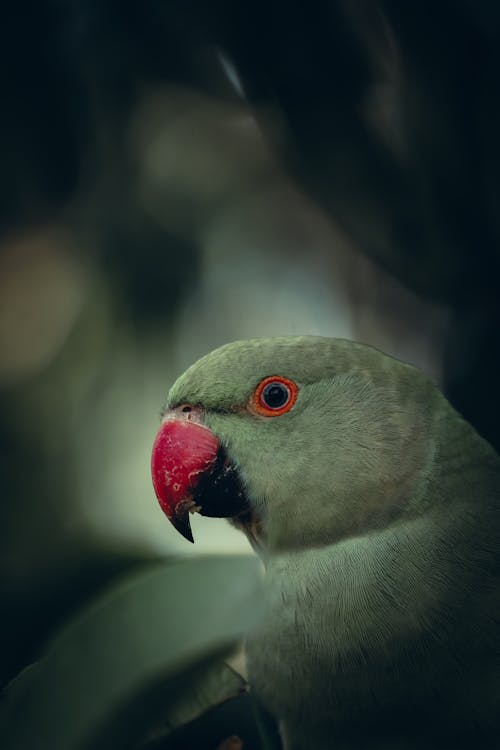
(275, 395)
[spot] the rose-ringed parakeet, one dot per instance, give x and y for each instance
(375, 508)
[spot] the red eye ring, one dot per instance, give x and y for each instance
(269, 389)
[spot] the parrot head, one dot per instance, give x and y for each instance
(299, 441)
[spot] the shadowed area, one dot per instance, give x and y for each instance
(179, 175)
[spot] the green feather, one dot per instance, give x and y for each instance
(381, 538)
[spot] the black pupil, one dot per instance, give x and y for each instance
(275, 395)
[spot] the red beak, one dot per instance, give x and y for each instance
(182, 452)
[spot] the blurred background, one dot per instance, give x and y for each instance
(177, 174)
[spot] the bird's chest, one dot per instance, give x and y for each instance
(292, 664)
(314, 657)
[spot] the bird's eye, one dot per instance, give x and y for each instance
(274, 395)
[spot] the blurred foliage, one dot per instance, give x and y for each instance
(176, 174)
(143, 652)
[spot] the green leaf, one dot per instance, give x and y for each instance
(216, 684)
(207, 688)
(108, 675)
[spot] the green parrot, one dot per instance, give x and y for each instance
(375, 508)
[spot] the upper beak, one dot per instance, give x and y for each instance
(184, 451)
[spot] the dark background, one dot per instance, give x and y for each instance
(177, 174)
